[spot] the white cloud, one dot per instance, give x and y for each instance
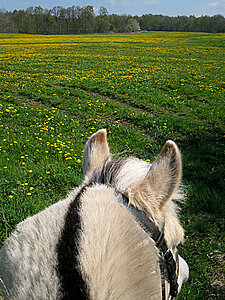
(144, 2)
(217, 4)
(112, 2)
(214, 4)
(26, 4)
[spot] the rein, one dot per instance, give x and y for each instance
(158, 236)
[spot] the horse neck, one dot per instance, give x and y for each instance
(117, 258)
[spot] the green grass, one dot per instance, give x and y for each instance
(55, 91)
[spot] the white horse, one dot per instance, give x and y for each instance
(114, 237)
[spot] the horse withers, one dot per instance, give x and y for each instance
(113, 237)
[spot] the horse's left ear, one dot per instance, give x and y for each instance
(164, 175)
(96, 151)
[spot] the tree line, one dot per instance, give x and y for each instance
(82, 20)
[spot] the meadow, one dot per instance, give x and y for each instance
(55, 91)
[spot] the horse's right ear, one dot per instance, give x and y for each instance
(96, 151)
(163, 177)
(165, 173)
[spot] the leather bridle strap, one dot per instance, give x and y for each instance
(158, 236)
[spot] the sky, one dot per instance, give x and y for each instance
(132, 7)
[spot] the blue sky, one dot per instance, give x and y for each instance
(133, 7)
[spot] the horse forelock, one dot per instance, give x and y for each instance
(108, 173)
(122, 174)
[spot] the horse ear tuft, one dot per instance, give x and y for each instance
(96, 151)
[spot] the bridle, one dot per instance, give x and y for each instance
(166, 255)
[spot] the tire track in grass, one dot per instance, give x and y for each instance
(112, 114)
(144, 118)
(152, 122)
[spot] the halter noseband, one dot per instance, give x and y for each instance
(158, 236)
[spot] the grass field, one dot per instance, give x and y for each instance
(55, 91)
